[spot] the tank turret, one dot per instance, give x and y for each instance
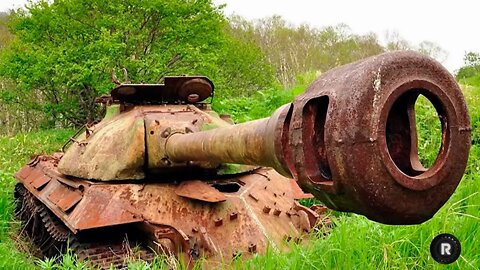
(163, 163)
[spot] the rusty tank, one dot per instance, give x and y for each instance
(163, 173)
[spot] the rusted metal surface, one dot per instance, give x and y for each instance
(199, 190)
(78, 206)
(298, 193)
(102, 249)
(369, 138)
(131, 145)
(351, 140)
(64, 197)
(250, 143)
(187, 89)
(191, 219)
(105, 154)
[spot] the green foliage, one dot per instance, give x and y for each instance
(68, 48)
(243, 66)
(262, 103)
(64, 52)
(15, 153)
(353, 243)
(429, 131)
(357, 243)
(294, 50)
(470, 73)
(69, 261)
(5, 35)
(62, 55)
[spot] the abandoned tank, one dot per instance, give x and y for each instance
(164, 173)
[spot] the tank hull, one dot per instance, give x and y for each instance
(216, 219)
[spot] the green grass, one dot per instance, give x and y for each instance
(262, 103)
(14, 153)
(354, 243)
(429, 131)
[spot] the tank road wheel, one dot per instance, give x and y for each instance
(52, 237)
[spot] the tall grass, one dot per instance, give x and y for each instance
(357, 243)
(354, 242)
(14, 153)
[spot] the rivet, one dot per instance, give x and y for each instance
(252, 248)
(277, 212)
(166, 132)
(166, 161)
(266, 209)
(233, 215)
(218, 222)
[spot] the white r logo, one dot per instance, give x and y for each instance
(445, 249)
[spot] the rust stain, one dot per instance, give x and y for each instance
(199, 190)
(350, 140)
(41, 181)
(298, 192)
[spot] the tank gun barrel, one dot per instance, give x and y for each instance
(351, 139)
(250, 143)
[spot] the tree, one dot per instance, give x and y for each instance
(394, 42)
(471, 70)
(295, 50)
(5, 35)
(472, 59)
(244, 66)
(65, 50)
(433, 50)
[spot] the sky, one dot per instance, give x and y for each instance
(453, 25)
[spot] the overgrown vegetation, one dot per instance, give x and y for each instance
(56, 58)
(354, 243)
(63, 53)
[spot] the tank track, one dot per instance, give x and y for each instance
(105, 255)
(52, 237)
